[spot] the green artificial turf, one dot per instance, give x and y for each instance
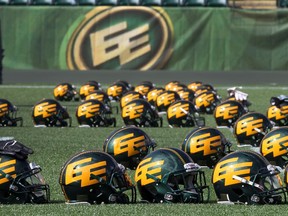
(54, 146)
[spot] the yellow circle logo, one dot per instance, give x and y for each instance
(138, 38)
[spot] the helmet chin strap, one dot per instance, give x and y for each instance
(248, 182)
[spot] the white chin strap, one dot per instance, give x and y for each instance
(248, 182)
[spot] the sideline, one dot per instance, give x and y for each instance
(217, 87)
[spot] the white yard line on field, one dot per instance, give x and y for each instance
(217, 87)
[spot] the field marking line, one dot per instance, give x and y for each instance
(216, 87)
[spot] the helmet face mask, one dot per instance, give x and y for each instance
(93, 113)
(107, 183)
(169, 175)
(49, 113)
(8, 114)
(246, 177)
(24, 184)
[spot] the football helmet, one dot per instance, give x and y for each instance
(227, 113)
(169, 175)
(170, 85)
(50, 113)
(144, 87)
(182, 113)
(179, 87)
(204, 88)
(116, 90)
(194, 85)
(250, 128)
(278, 114)
(186, 94)
(93, 113)
(206, 102)
(129, 96)
(21, 182)
(206, 146)
(128, 145)
(95, 177)
(247, 177)
(8, 114)
(165, 99)
(104, 98)
(153, 94)
(65, 92)
(88, 88)
(274, 146)
(141, 113)
(128, 86)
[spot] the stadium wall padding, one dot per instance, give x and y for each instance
(178, 38)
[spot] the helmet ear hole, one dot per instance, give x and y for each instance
(238, 191)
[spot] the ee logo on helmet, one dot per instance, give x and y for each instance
(82, 171)
(204, 100)
(129, 144)
(175, 110)
(60, 90)
(114, 90)
(144, 168)
(45, 109)
(232, 111)
(205, 143)
(165, 99)
(121, 38)
(133, 110)
(247, 126)
(226, 169)
(275, 145)
(88, 109)
(3, 109)
(7, 167)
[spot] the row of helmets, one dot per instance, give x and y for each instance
(171, 175)
(164, 175)
(248, 127)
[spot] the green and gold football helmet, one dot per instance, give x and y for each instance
(95, 177)
(182, 113)
(128, 145)
(250, 129)
(88, 88)
(169, 175)
(94, 113)
(246, 177)
(65, 92)
(21, 182)
(227, 113)
(141, 113)
(206, 146)
(8, 114)
(274, 146)
(50, 113)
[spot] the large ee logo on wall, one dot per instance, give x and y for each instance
(121, 38)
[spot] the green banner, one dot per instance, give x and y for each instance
(144, 38)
